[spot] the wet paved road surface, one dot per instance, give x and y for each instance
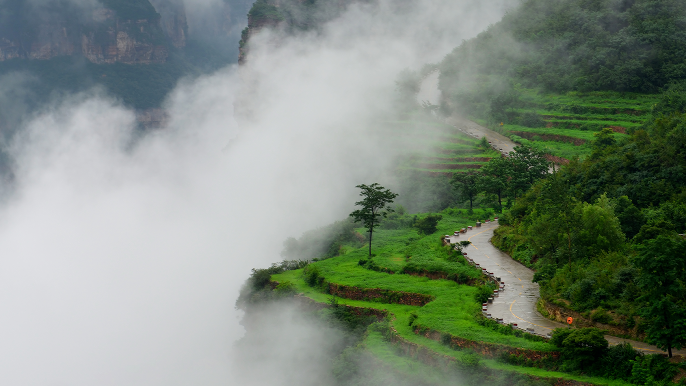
(516, 303)
(429, 92)
(498, 141)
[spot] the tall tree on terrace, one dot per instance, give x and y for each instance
(663, 280)
(374, 207)
(555, 218)
(467, 184)
(528, 166)
(494, 179)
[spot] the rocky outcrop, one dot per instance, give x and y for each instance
(122, 43)
(99, 34)
(172, 20)
(53, 39)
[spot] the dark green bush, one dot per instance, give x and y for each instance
(484, 292)
(618, 361)
(580, 348)
(649, 369)
(313, 277)
(428, 225)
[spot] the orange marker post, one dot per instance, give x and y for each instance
(570, 320)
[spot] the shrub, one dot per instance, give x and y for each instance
(484, 292)
(600, 315)
(648, 369)
(580, 348)
(618, 361)
(428, 225)
(285, 289)
(313, 277)
(469, 363)
(446, 339)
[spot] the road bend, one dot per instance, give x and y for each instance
(516, 303)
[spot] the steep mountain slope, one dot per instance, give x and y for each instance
(136, 49)
(584, 45)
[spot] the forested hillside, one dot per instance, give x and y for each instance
(581, 45)
(553, 69)
(607, 233)
(607, 78)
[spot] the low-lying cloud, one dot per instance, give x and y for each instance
(121, 257)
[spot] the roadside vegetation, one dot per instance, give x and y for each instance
(604, 234)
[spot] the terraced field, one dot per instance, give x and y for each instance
(436, 148)
(430, 319)
(563, 125)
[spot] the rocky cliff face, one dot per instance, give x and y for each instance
(124, 41)
(288, 16)
(173, 20)
(101, 34)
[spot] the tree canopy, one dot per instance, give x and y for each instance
(375, 206)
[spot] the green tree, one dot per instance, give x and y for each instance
(374, 207)
(581, 348)
(662, 262)
(467, 185)
(494, 177)
(528, 166)
(555, 219)
(428, 224)
(600, 230)
(603, 142)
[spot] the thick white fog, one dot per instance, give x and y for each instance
(121, 258)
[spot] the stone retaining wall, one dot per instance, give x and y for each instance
(490, 350)
(312, 305)
(386, 296)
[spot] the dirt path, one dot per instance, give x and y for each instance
(516, 303)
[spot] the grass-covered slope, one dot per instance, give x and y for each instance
(429, 331)
(455, 308)
(564, 125)
(435, 148)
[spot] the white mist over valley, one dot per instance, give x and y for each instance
(121, 255)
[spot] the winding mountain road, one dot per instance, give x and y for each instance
(516, 303)
(429, 92)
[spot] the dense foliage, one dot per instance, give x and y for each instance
(565, 45)
(502, 177)
(603, 234)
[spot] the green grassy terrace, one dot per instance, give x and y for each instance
(564, 118)
(454, 310)
(434, 147)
